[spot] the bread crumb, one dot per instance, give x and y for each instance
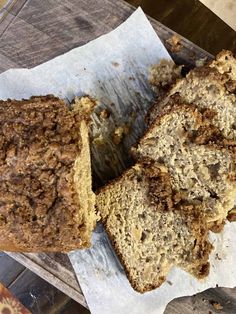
(232, 215)
(169, 282)
(136, 233)
(175, 43)
(84, 105)
(217, 257)
(216, 305)
(164, 73)
(119, 134)
(201, 62)
(99, 140)
(104, 114)
(115, 64)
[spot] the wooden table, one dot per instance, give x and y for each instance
(32, 32)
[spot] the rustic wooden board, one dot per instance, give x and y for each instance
(39, 296)
(193, 20)
(36, 31)
(32, 32)
(54, 268)
(9, 270)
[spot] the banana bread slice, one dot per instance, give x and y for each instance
(46, 197)
(209, 87)
(201, 173)
(151, 229)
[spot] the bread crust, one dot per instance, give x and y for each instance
(41, 208)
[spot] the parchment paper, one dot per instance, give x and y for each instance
(114, 70)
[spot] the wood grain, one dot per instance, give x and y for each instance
(41, 30)
(39, 296)
(36, 294)
(54, 272)
(203, 303)
(193, 20)
(9, 270)
(33, 32)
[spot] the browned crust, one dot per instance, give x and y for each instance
(24, 215)
(32, 99)
(163, 95)
(232, 215)
(217, 226)
(209, 73)
(225, 53)
(152, 109)
(8, 245)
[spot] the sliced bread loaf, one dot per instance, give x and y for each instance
(201, 173)
(151, 228)
(46, 197)
(209, 87)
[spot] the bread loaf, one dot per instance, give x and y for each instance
(46, 197)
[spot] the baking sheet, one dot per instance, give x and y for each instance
(114, 70)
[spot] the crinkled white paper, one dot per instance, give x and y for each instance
(114, 70)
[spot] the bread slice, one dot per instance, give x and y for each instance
(46, 197)
(208, 87)
(151, 228)
(201, 173)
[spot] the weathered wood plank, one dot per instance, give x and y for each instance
(193, 20)
(202, 303)
(15, 6)
(38, 295)
(9, 269)
(45, 29)
(72, 308)
(54, 273)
